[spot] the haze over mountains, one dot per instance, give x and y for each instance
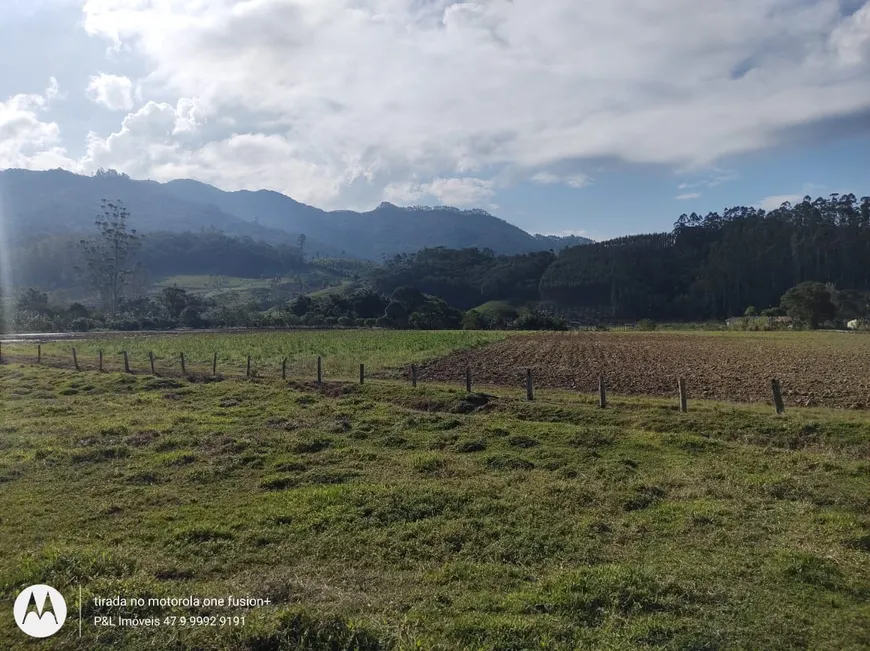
(56, 201)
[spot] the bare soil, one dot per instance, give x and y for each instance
(814, 369)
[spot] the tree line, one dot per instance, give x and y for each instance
(716, 266)
(466, 278)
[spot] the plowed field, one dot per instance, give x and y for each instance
(815, 369)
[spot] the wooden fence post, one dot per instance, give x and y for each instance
(681, 386)
(414, 375)
(75, 359)
(39, 353)
(284, 369)
(183, 367)
(100, 360)
(319, 370)
(468, 379)
(214, 364)
(777, 397)
(602, 392)
(151, 361)
(248, 367)
(126, 363)
(362, 373)
(530, 389)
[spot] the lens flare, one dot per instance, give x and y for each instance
(6, 284)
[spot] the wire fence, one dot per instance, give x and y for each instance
(309, 369)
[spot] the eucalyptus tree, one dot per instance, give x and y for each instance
(108, 256)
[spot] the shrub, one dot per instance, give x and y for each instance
(125, 323)
(539, 321)
(156, 323)
(77, 310)
(809, 303)
(190, 318)
(474, 320)
(81, 324)
(396, 312)
(646, 324)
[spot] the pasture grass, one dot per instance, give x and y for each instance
(381, 516)
(345, 288)
(498, 309)
(342, 350)
(206, 283)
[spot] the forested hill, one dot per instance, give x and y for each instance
(709, 267)
(54, 202)
(466, 278)
(718, 265)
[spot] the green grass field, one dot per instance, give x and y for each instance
(204, 283)
(346, 288)
(342, 350)
(381, 516)
(503, 309)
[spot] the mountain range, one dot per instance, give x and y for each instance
(40, 203)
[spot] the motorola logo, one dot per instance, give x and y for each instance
(39, 611)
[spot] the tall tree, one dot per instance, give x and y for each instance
(108, 256)
(301, 241)
(809, 303)
(174, 300)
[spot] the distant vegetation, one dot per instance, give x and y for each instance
(51, 263)
(117, 262)
(468, 277)
(718, 265)
(806, 262)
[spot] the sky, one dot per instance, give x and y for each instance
(561, 116)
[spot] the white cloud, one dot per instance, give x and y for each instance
(26, 139)
(709, 178)
(460, 191)
(775, 201)
(53, 90)
(851, 39)
(575, 180)
(451, 191)
(159, 141)
(113, 92)
(687, 196)
(345, 103)
(808, 190)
